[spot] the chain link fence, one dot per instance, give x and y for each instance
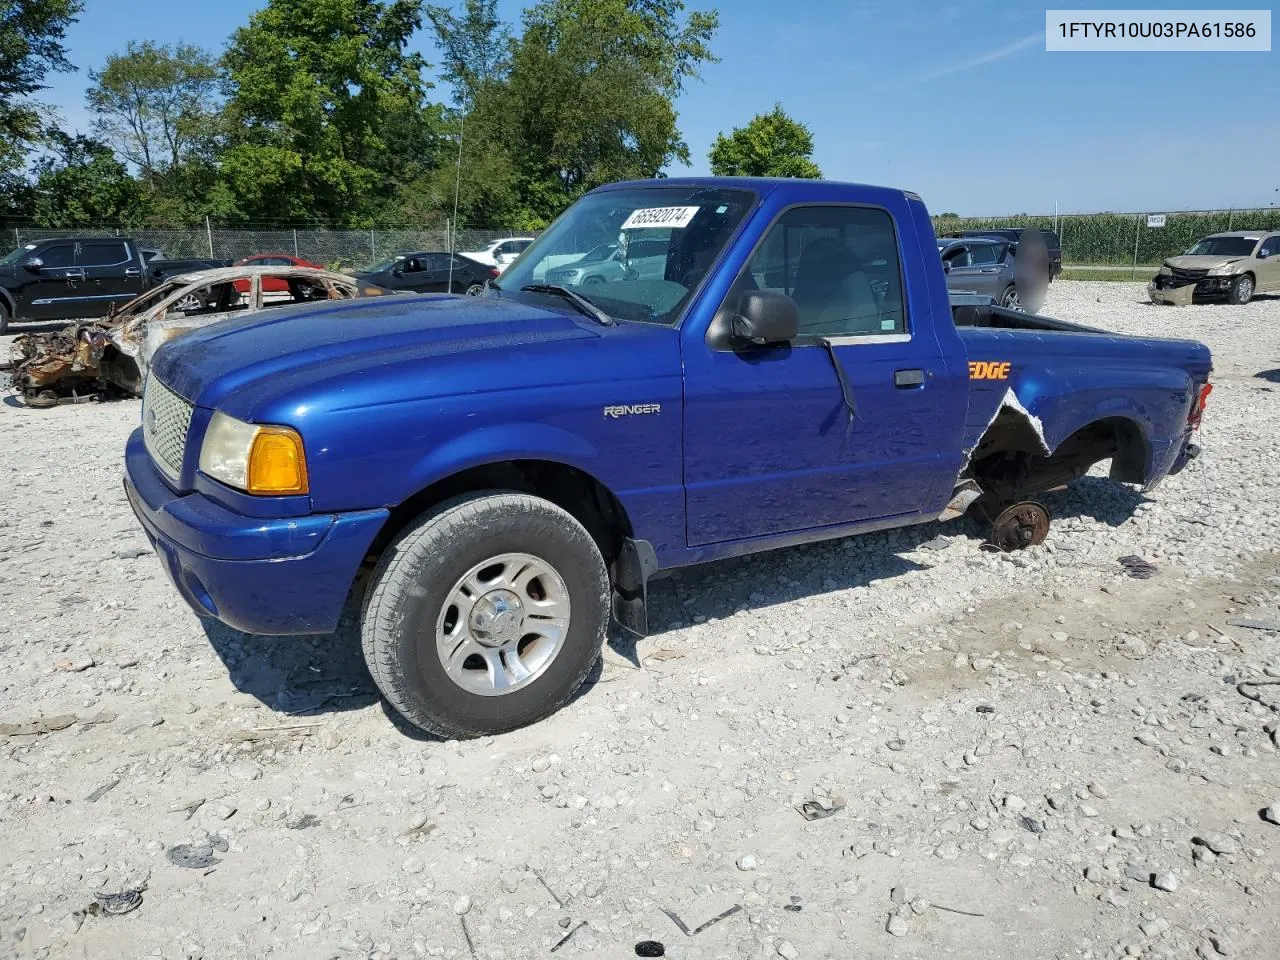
(336, 249)
(1122, 239)
(1109, 239)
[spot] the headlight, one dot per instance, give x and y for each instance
(1222, 270)
(263, 460)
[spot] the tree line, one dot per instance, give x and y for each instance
(318, 112)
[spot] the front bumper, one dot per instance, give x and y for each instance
(289, 575)
(1164, 288)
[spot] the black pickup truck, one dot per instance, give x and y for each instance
(74, 277)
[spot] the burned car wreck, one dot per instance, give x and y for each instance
(101, 359)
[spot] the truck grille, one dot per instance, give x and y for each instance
(165, 420)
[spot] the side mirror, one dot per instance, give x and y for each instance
(765, 317)
(34, 264)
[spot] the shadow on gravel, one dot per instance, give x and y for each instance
(1271, 376)
(310, 675)
(297, 676)
(1104, 500)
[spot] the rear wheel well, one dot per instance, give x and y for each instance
(1010, 463)
(589, 501)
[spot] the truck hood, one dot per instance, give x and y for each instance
(265, 355)
(1200, 263)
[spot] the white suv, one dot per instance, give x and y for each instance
(500, 252)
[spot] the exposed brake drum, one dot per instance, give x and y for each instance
(1019, 526)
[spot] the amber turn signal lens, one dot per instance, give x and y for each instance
(277, 464)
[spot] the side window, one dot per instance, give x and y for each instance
(983, 255)
(958, 257)
(59, 255)
(1270, 246)
(413, 265)
(839, 264)
(522, 245)
(436, 261)
(102, 253)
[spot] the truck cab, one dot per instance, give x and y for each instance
(69, 278)
(490, 478)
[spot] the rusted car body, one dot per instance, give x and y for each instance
(109, 357)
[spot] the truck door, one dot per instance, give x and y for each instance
(771, 444)
(46, 291)
(982, 272)
(110, 275)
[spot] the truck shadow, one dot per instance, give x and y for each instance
(323, 674)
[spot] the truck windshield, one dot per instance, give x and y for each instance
(13, 256)
(651, 289)
(1223, 247)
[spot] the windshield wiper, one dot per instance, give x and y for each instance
(579, 301)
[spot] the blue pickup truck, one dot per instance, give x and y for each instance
(491, 477)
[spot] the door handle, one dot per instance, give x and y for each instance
(988, 270)
(132, 272)
(906, 379)
(74, 274)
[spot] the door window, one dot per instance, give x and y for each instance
(59, 255)
(413, 265)
(982, 255)
(841, 267)
(102, 253)
(957, 257)
(1270, 246)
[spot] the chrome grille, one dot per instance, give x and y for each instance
(165, 420)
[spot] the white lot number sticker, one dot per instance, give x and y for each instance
(672, 218)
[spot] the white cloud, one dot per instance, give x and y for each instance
(991, 56)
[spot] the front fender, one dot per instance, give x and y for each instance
(500, 443)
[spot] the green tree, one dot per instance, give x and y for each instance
(82, 184)
(476, 47)
(771, 145)
(31, 36)
(327, 112)
(589, 98)
(156, 105)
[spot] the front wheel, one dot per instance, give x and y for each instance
(486, 615)
(1241, 291)
(475, 289)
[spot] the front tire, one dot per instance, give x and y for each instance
(487, 614)
(474, 289)
(1010, 299)
(4, 319)
(1241, 291)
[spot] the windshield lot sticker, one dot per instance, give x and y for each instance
(989, 370)
(671, 218)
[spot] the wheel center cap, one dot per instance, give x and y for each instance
(497, 618)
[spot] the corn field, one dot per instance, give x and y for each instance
(1123, 239)
(336, 249)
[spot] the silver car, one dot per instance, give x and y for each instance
(643, 260)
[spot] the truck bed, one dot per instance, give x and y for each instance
(971, 310)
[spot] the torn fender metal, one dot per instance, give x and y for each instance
(1009, 402)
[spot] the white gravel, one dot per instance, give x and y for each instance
(1040, 756)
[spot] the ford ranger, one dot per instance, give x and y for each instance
(491, 477)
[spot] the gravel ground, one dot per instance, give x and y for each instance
(1032, 755)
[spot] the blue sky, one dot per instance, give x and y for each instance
(957, 101)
